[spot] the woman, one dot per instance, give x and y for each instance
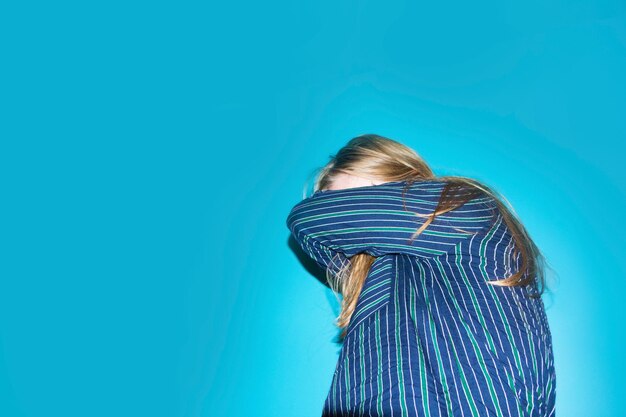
(441, 311)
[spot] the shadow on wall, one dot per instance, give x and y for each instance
(320, 274)
(309, 264)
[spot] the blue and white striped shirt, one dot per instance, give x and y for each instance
(429, 336)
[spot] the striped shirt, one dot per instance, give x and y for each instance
(429, 336)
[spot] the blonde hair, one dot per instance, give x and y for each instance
(379, 158)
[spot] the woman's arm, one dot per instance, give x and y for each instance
(334, 224)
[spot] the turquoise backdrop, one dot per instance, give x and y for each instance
(151, 151)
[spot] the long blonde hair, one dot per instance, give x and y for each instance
(379, 158)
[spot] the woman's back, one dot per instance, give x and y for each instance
(429, 336)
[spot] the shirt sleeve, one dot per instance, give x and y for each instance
(333, 225)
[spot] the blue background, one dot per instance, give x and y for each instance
(150, 153)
